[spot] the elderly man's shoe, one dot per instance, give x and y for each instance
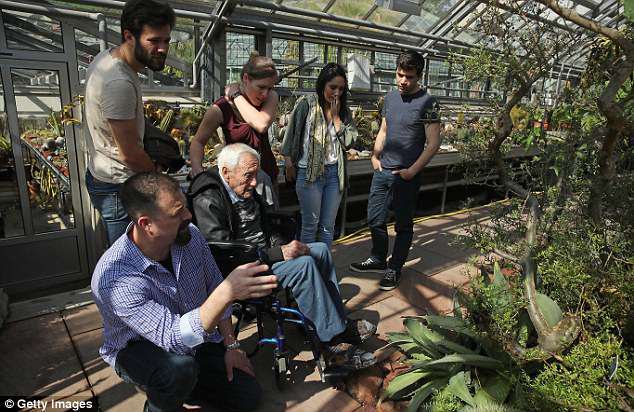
(357, 331)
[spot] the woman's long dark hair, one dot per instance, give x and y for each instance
(329, 72)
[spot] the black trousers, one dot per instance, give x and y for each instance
(169, 379)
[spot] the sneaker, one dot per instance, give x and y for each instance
(357, 331)
(390, 279)
(370, 265)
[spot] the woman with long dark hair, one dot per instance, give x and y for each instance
(320, 130)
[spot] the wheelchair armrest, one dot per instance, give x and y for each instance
(231, 246)
(230, 254)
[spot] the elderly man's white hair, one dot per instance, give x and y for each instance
(230, 155)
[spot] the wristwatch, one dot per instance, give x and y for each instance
(235, 94)
(233, 346)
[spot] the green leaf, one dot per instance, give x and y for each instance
(498, 278)
(399, 343)
(398, 336)
(423, 393)
(419, 333)
(451, 323)
(403, 381)
(628, 5)
(497, 387)
(439, 342)
(461, 358)
(549, 308)
(458, 388)
(483, 400)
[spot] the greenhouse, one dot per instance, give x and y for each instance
(443, 189)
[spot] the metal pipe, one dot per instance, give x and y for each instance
(119, 5)
(209, 33)
(48, 10)
(322, 33)
(349, 20)
(103, 32)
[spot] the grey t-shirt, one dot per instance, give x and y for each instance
(406, 117)
(113, 91)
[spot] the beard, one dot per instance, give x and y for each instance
(153, 62)
(184, 235)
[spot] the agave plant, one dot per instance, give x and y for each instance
(446, 355)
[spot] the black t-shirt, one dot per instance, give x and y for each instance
(406, 117)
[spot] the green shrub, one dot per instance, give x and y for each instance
(580, 380)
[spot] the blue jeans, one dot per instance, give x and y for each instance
(386, 190)
(105, 198)
(318, 203)
(313, 281)
(169, 379)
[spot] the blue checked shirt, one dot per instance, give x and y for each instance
(138, 298)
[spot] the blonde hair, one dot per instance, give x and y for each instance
(259, 67)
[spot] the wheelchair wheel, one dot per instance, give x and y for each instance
(281, 369)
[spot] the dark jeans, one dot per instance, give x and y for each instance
(169, 379)
(386, 190)
(105, 198)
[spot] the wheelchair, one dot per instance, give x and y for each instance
(229, 255)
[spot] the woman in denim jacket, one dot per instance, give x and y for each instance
(320, 131)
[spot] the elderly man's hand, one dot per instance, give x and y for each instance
(244, 282)
(294, 249)
(237, 359)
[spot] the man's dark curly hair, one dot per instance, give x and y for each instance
(139, 13)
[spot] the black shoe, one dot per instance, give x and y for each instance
(369, 265)
(390, 279)
(348, 356)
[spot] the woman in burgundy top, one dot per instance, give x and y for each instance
(245, 114)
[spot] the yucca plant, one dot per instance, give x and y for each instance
(447, 356)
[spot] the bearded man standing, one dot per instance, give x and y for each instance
(114, 107)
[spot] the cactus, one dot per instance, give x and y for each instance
(166, 121)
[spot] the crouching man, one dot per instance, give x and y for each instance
(166, 309)
(227, 208)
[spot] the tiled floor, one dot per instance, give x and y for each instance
(57, 354)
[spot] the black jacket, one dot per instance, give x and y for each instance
(214, 215)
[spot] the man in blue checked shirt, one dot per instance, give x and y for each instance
(165, 306)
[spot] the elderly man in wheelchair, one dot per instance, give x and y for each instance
(226, 207)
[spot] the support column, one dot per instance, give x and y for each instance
(214, 69)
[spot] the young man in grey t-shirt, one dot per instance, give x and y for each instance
(115, 123)
(408, 139)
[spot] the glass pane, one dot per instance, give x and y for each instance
(331, 56)
(41, 117)
(26, 31)
(86, 47)
(314, 5)
(438, 77)
(355, 9)
(386, 17)
(286, 57)
(312, 50)
(384, 72)
(347, 50)
(239, 48)
(11, 223)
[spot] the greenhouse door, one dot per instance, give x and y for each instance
(41, 222)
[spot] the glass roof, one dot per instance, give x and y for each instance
(452, 21)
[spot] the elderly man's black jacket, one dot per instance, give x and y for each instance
(214, 215)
